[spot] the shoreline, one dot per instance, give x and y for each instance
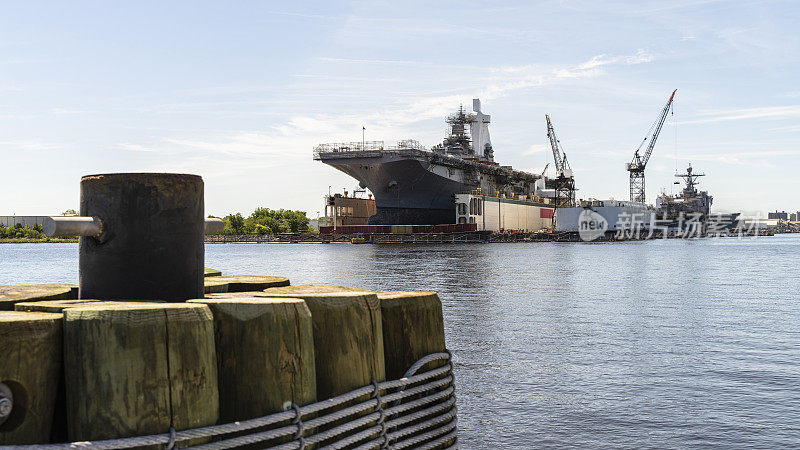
(38, 241)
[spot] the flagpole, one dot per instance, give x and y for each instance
(363, 142)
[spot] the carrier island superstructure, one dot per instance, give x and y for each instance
(416, 186)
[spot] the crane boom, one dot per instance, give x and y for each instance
(554, 144)
(564, 183)
(559, 156)
(638, 163)
(658, 125)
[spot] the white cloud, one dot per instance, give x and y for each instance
(249, 143)
(32, 145)
(593, 67)
(778, 112)
(793, 94)
(297, 136)
(400, 62)
(536, 148)
(135, 147)
(64, 111)
(640, 57)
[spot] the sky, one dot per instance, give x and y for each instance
(241, 92)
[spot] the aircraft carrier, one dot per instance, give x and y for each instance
(416, 186)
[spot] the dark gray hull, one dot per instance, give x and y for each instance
(405, 191)
(414, 187)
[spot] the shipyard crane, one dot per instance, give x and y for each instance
(637, 165)
(564, 182)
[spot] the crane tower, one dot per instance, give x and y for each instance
(564, 182)
(637, 165)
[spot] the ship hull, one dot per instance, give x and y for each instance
(415, 187)
(613, 216)
(407, 191)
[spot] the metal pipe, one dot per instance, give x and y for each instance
(60, 226)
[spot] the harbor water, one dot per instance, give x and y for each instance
(668, 343)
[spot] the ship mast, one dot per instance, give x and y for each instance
(691, 181)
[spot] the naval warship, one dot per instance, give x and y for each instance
(689, 201)
(416, 186)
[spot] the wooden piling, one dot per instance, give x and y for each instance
(312, 289)
(52, 306)
(413, 327)
(58, 306)
(10, 295)
(214, 286)
(209, 272)
(137, 369)
(265, 355)
(30, 350)
(59, 429)
(245, 283)
(348, 339)
(233, 295)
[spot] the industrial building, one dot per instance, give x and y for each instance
(343, 210)
(503, 213)
(31, 221)
(783, 215)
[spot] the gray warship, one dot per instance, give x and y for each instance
(416, 186)
(689, 201)
(677, 213)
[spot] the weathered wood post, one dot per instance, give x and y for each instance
(265, 355)
(139, 369)
(59, 429)
(243, 283)
(53, 306)
(413, 327)
(348, 338)
(10, 295)
(249, 283)
(30, 350)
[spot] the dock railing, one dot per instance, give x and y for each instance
(367, 148)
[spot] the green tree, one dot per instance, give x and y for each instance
(267, 221)
(234, 224)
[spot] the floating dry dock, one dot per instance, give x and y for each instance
(259, 364)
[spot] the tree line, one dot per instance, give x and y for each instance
(266, 221)
(20, 231)
(261, 221)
